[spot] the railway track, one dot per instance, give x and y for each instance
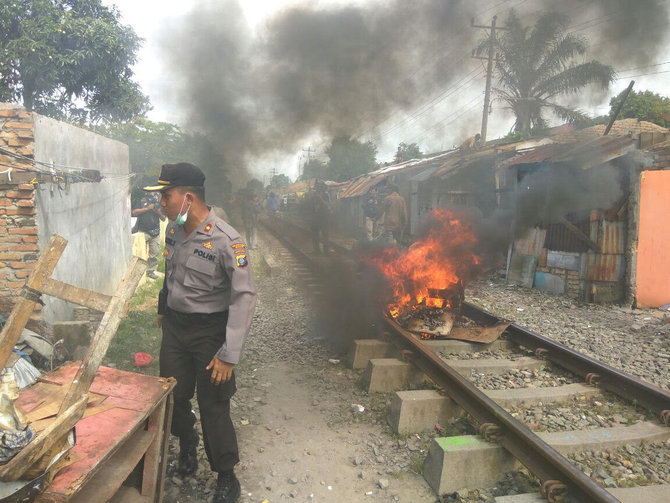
(400, 359)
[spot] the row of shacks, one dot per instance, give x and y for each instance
(601, 254)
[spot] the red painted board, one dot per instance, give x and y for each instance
(97, 437)
(113, 382)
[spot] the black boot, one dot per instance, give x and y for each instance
(188, 454)
(227, 488)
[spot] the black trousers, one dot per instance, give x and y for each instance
(189, 343)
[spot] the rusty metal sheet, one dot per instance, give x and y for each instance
(597, 151)
(600, 267)
(485, 335)
(609, 235)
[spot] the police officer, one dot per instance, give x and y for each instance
(205, 310)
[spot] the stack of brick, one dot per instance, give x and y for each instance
(19, 249)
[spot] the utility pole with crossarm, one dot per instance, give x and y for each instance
(489, 73)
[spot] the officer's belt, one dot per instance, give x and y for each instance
(197, 318)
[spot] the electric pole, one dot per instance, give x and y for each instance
(309, 150)
(489, 73)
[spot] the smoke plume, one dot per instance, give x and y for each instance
(315, 70)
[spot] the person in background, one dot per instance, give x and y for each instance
(251, 210)
(371, 209)
(205, 310)
(471, 143)
(395, 215)
(320, 212)
(149, 223)
(272, 205)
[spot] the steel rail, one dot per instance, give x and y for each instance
(594, 372)
(496, 423)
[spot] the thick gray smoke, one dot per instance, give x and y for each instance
(330, 70)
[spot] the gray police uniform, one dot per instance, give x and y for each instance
(208, 299)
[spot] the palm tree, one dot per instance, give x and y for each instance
(535, 66)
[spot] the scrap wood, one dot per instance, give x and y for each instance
(118, 307)
(26, 304)
(50, 405)
(41, 424)
(435, 325)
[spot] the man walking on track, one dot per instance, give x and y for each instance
(205, 310)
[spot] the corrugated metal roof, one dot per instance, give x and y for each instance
(597, 151)
(536, 155)
(361, 185)
(588, 153)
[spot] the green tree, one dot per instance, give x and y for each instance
(313, 169)
(644, 105)
(406, 152)
(280, 180)
(69, 59)
(152, 144)
(535, 66)
(254, 186)
(349, 158)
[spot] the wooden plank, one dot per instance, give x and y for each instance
(167, 422)
(41, 444)
(42, 424)
(76, 295)
(116, 469)
(152, 457)
(98, 438)
(118, 307)
(24, 306)
(122, 384)
(51, 405)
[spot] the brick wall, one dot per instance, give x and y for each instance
(18, 227)
(573, 288)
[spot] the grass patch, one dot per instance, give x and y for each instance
(137, 332)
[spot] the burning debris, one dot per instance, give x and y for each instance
(427, 281)
(432, 272)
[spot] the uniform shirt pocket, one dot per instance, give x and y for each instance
(199, 274)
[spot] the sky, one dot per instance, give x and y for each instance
(437, 121)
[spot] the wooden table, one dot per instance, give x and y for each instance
(127, 435)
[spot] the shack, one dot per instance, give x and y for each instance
(612, 250)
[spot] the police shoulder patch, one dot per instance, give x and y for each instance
(242, 260)
(237, 246)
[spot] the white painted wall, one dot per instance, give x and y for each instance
(93, 216)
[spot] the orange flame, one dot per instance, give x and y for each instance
(442, 260)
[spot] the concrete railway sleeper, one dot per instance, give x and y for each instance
(398, 360)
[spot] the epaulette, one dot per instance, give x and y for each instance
(228, 230)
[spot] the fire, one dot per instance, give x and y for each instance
(432, 271)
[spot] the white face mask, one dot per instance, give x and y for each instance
(181, 218)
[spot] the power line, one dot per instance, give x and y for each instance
(642, 75)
